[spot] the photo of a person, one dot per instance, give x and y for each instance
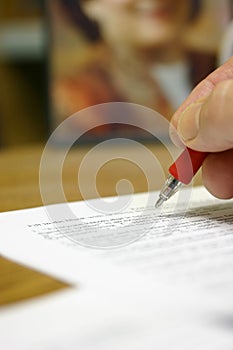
(136, 54)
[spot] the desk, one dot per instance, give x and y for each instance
(19, 188)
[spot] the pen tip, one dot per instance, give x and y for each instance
(159, 202)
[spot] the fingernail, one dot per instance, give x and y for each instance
(188, 125)
(175, 137)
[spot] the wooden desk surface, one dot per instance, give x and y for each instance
(19, 188)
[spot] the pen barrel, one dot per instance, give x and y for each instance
(187, 165)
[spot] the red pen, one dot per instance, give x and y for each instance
(181, 172)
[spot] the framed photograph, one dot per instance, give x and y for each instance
(144, 53)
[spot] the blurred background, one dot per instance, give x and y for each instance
(57, 57)
(23, 72)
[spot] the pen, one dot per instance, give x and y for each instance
(181, 172)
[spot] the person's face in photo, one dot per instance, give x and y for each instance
(139, 23)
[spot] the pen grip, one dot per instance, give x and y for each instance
(187, 165)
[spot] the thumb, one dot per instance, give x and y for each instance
(207, 124)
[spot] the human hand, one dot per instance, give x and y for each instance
(204, 122)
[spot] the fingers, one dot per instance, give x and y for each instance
(207, 125)
(204, 122)
(217, 173)
(204, 89)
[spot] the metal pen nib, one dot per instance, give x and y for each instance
(181, 172)
(170, 187)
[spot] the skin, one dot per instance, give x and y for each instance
(139, 24)
(204, 122)
(137, 35)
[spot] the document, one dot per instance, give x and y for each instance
(145, 278)
(189, 242)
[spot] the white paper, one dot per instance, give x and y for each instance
(167, 281)
(129, 317)
(189, 242)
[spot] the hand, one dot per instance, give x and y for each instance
(204, 122)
